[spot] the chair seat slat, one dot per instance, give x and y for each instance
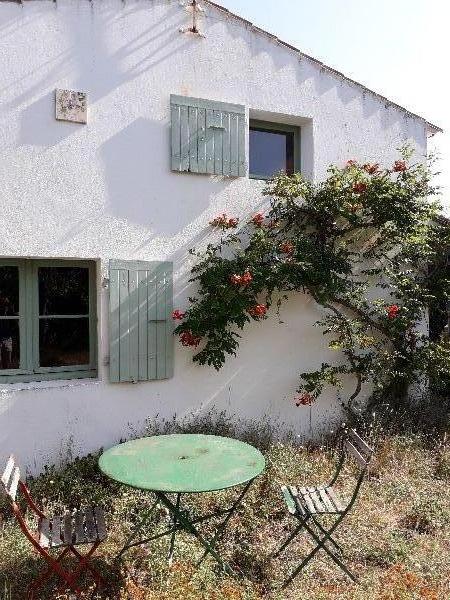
(80, 535)
(326, 500)
(56, 532)
(306, 497)
(299, 506)
(45, 535)
(68, 529)
(290, 503)
(315, 497)
(336, 501)
(91, 529)
(100, 521)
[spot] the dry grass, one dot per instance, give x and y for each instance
(397, 539)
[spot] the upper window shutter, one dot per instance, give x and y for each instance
(141, 302)
(208, 137)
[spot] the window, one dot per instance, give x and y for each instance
(273, 148)
(47, 320)
(439, 319)
(439, 312)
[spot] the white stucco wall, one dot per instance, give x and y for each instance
(105, 190)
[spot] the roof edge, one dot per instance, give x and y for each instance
(431, 127)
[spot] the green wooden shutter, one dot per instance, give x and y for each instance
(141, 302)
(208, 137)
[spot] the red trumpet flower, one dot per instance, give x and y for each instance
(177, 315)
(305, 400)
(259, 310)
(392, 311)
(189, 339)
(399, 165)
(224, 222)
(258, 219)
(287, 247)
(359, 187)
(244, 279)
(371, 169)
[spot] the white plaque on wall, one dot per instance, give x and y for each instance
(71, 106)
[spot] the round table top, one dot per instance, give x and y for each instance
(185, 463)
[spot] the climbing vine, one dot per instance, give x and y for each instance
(367, 244)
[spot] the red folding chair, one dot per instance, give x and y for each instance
(81, 527)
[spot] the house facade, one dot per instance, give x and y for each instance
(125, 128)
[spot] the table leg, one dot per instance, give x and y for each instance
(174, 523)
(190, 528)
(221, 528)
(141, 524)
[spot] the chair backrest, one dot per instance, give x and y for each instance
(11, 482)
(357, 449)
(11, 478)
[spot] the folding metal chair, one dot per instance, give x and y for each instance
(84, 526)
(309, 504)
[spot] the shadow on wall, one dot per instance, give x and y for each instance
(142, 189)
(10, 21)
(147, 50)
(39, 127)
(323, 81)
(30, 435)
(54, 68)
(74, 67)
(257, 45)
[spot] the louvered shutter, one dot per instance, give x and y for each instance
(208, 137)
(141, 300)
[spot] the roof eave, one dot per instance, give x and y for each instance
(433, 129)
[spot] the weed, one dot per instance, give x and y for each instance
(427, 515)
(442, 469)
(6, 592)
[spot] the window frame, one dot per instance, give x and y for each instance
(29, 369)
(274, 127)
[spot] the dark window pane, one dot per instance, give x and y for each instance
(63, 291)
(63, 342)
(271, 152)
(290, 166)
(9, 344)
(439, 315)
(9, 291)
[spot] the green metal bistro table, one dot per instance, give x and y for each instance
(183, 464)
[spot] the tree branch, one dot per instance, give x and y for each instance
(350, 355)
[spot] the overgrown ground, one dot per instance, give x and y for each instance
(397, 539)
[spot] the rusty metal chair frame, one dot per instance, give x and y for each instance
(309, 504)
(13, 484)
